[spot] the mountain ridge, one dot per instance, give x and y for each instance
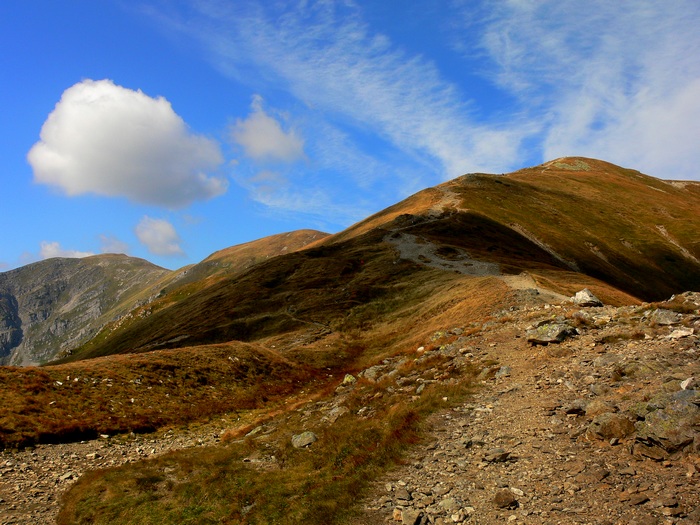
(569, 217)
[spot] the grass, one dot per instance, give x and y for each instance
(140, 393)
(318, 485)
(341, 305)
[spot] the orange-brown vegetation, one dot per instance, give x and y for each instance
(274, 326)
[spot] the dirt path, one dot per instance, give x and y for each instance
(521, 451)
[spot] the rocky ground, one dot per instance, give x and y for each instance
(602, 428)
(33, 480)
(599, 426)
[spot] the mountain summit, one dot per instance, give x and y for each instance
(561, 226)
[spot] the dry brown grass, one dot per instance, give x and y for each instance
(313, 486)
(139, 393)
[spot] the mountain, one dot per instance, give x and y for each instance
(63, 302)
(54, 305)
(284, 376)
(564, 225)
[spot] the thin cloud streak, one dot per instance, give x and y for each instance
(333, 62)
(614, 80)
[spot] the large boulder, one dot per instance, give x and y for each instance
(672, 422)
(550, 332)
(586, 298)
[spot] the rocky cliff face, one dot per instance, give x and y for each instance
(59, 303)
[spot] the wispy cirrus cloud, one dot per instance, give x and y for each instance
(329, 58)
(613, 80)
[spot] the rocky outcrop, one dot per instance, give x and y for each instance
(59, 303)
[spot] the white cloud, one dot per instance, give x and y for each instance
(110, 244)
(263, 138)
(613, 80)
(49, 250)
(159, 237)
(109, 140)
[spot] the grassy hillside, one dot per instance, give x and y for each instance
(571, 216)
(253, 326)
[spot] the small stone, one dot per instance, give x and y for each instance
(402, 494)
(496, 455)
(504, 371)
(607, 426)
(638, 499)
(505, 499)
(680, 333)
(411, 517)
(449, 504)
(689, 384)
(304, 439)
(665, 317)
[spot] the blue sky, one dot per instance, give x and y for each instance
(171, 129)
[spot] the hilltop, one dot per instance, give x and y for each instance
(63, 302)
(427, 307)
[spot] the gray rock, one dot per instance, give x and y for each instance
(554, 332)
(449, 504)
(664, 317)
(402, 494)
(411, 517)
(689, 384)
(586, 298)
(336, 412)
(674, 426)
(504, 371)
(496, 455)
(373, 372)
(576, 407)
(680, 333)
(304, 439)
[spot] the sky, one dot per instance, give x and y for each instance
(170, 129)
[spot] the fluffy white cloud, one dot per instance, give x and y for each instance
(49, 250)
(159, 237)
(109, 140)
(263, 138)
(110, 244)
